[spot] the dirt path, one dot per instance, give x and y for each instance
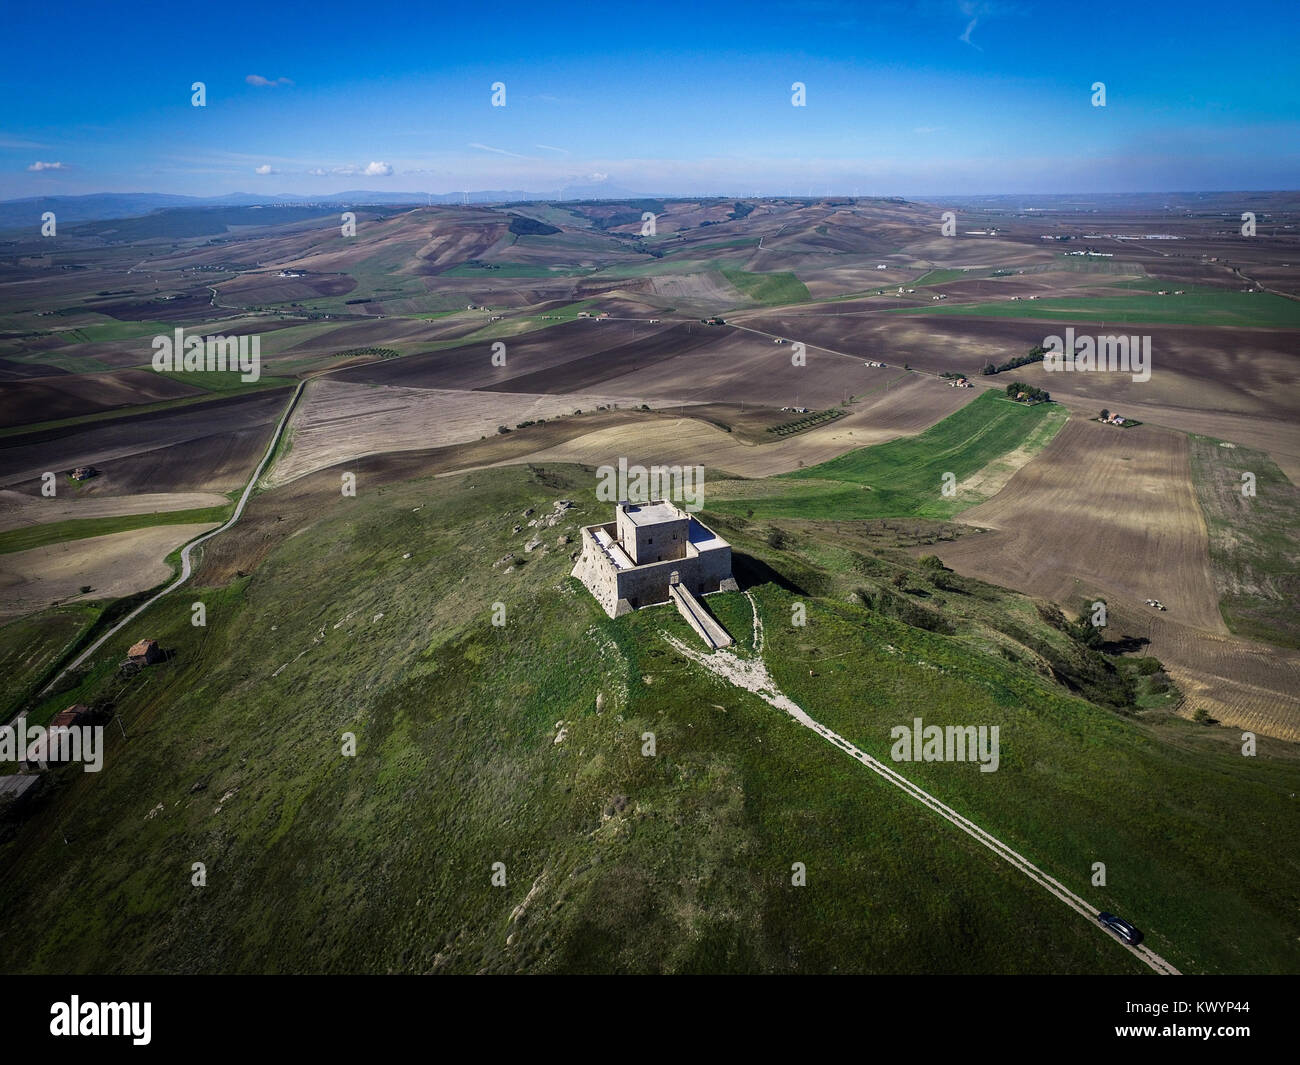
(751, 674)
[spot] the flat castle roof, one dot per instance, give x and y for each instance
(651, 513)
(702, 538)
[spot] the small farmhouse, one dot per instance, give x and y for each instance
(144, 653)
(76, 714)
(51, 748)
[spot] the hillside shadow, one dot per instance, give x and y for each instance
(750, 571)
(1125, 645)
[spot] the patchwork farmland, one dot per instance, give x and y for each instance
(436, 398)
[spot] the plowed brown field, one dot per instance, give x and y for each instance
(907, 407)
(1112, 513)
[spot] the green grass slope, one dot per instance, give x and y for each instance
(614, 861)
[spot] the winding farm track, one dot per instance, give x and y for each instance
(186, 567)
(751, 674)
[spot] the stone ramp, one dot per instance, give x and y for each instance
(705, 624)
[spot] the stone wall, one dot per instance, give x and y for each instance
(715, 571)
(617, 590)
(597, 573)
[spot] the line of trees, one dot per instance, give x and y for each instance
(1018, 390)
(1036, 354)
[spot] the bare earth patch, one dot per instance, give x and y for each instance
(1112, 513)
(114, 566)
(18, 509)
(906, 408)
(337, 421)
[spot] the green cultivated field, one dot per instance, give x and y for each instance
(942, 277)
(69, 359)
(1202, 306)
(773, 289)
(903, 477)
(224, 381)
(55, 532)
(615, 862)
(504, 269)
(1254, 552)
(111, 329)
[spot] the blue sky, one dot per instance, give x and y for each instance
(925, 98)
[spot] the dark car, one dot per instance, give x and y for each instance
(1120, 927)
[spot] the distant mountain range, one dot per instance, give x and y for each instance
(24, 213)
(18, 214)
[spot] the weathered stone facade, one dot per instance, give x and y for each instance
(629, 563)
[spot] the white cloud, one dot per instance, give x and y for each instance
(552, 148)
(352, 169)
(264, 169)
(262, 83)
(38, 166)
(498, 151)
(974, 11)
(597, 177)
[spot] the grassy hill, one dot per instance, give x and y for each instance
(614, 860)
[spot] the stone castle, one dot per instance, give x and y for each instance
(646, 550)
